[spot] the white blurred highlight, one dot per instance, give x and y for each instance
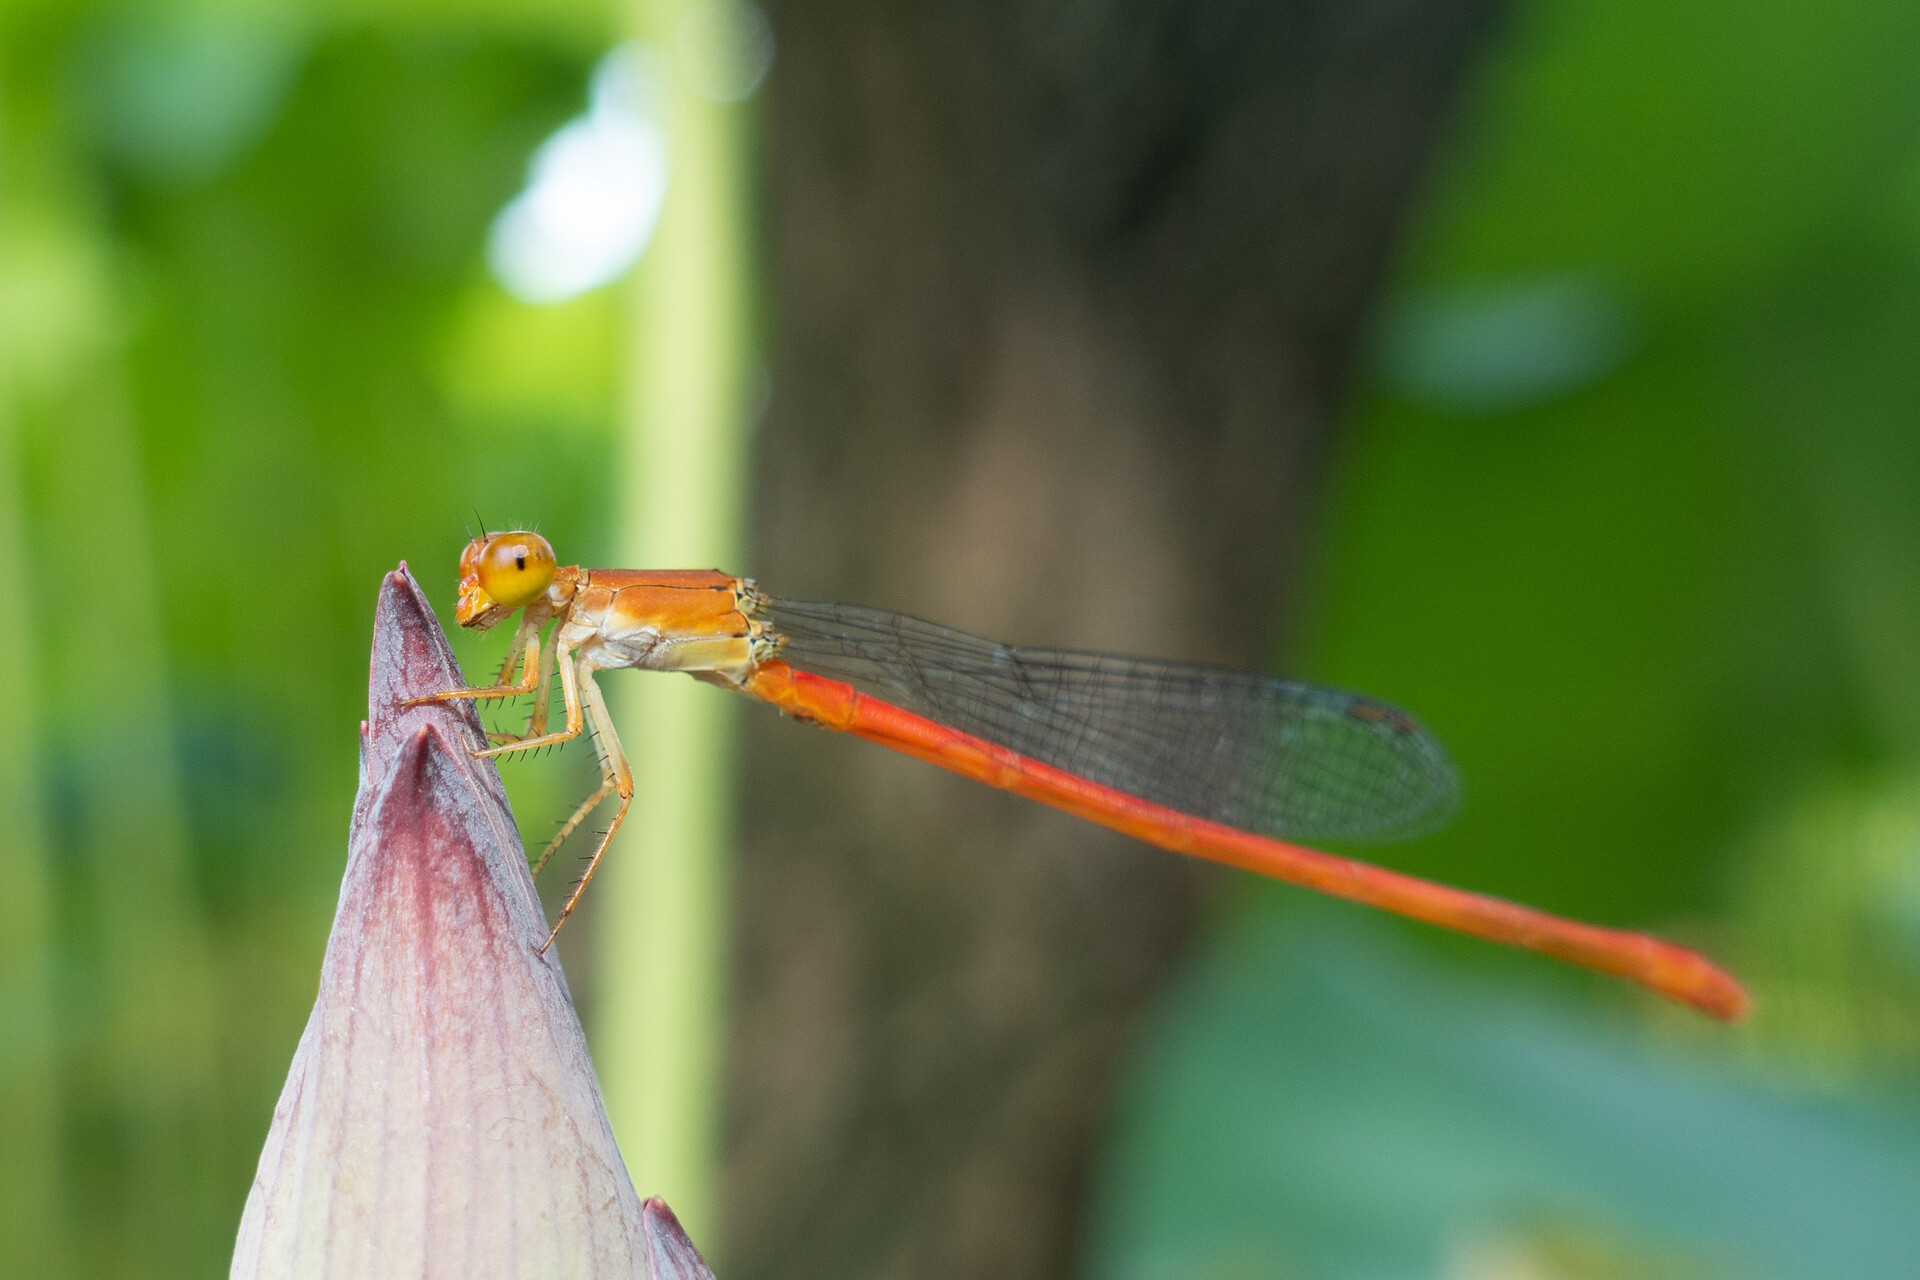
(725, 48)
(593, 192)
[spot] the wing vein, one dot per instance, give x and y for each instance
(1278, 757)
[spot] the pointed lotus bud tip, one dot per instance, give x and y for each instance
(441, 1117)
(670, 1255)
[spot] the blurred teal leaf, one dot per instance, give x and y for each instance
(178, 94)
(1319, 1101)
(1492, 347)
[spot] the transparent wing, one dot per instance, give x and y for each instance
(1277, 757)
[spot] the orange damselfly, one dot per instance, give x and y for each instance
(1225, 765)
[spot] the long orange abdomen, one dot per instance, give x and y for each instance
(1654, 963)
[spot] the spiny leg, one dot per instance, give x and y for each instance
(526, 645)
(613, 768)
(542, 700)
(569, 693)
(579, 815)
(515, 653)
(543, 691)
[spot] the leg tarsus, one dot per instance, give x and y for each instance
(567, 829)
(570, 692)
(525, 647)
(614, 773)
(593, 865)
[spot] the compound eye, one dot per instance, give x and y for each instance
(516, 568)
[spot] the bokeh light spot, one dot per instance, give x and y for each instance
(593, 193)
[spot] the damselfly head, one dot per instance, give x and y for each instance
(500, 574)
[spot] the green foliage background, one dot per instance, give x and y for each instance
(1628, 510)
(1665, 614)
(252, 358)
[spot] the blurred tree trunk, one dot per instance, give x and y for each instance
(1065, 297)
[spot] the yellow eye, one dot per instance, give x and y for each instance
(515, 568)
